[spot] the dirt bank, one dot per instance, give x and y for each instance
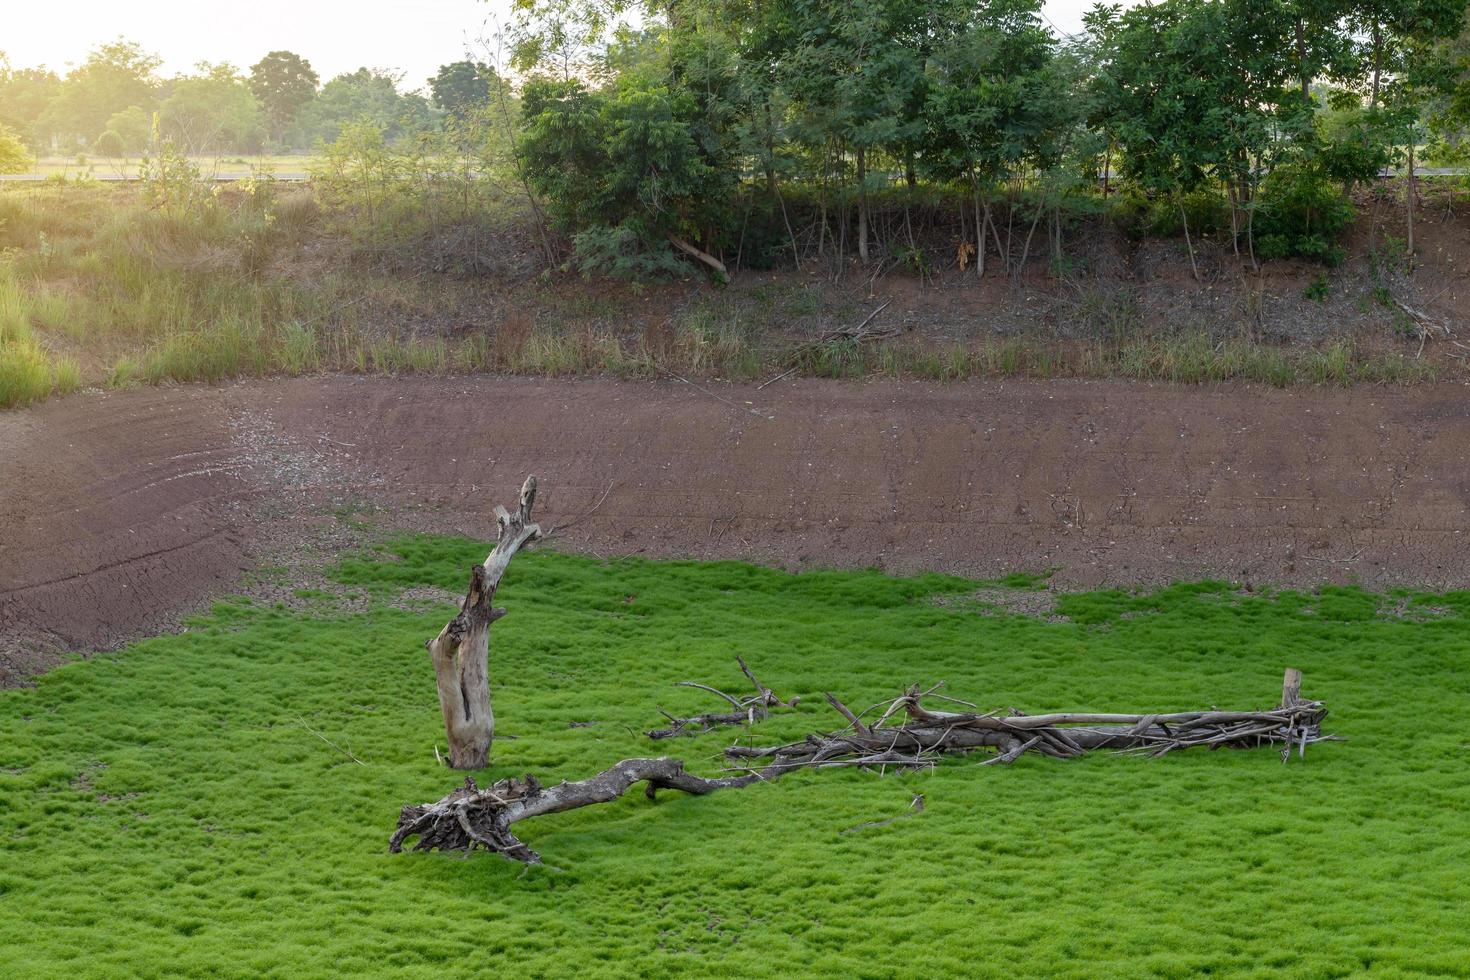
(120, 511)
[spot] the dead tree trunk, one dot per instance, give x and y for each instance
(461, 652)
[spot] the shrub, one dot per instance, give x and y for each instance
(1300, 212)
(13, 156)
(1141, 216)
(109, 144)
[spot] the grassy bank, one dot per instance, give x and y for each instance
(188, 806)
(113, 286)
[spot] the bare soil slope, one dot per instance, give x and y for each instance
(120, 511)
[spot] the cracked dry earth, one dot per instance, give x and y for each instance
(120, 512)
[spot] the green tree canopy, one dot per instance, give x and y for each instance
(24, 95)
(115, 76)
(364, 95)
(13, 156)
(211, 111)
(283, 83)
(462, 88)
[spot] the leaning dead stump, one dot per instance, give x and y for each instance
(461, 652)
(906, 735)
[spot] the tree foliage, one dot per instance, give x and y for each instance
(13, 156)
(283, 83)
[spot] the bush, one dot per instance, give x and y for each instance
(13, 156)
(1301, 212)
(109, 144)
(621, 170)
(620, 252)
(1141, 216)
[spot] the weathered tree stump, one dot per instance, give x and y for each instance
(461, 652)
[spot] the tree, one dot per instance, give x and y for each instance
(462, 88)
(461, 652)
(13, 156)
(114, 76)
(24, 95)
(1191, 92)
(363, 95)
(858, 73)
(133, 126)
(622, 170)
(985, 108)
(110, 144)
(211, 111)
(283, 83)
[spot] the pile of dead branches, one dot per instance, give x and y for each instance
(905, 734)
(909, 735)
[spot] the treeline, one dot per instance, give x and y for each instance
(700, 132)
(107, 105)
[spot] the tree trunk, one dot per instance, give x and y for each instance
(1377, 62)
(770, 152)
(982, 220)
(1003, 252)
(1301, 59)
(1184, 217)
(693, 251)
(461, 652)
(862, 229)
(1026, 248)
(1412, 190)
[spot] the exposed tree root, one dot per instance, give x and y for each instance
(470, 817)
(906, 735)
(748, 710)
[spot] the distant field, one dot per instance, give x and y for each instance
(168, 810)
(232, 165)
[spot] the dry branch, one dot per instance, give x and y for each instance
(747, 710)
(908, 735)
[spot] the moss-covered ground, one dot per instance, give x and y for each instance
(170, 809)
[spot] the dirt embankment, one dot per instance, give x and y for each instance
(121, 511)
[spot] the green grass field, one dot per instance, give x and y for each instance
(164, 811)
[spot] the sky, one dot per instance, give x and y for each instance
(411, 37)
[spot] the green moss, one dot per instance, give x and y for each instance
(164, 811)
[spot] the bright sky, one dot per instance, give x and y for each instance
(336, 36)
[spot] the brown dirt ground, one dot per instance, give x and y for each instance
(120, 512)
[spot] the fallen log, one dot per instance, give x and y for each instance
(748, 710)
(907, 735)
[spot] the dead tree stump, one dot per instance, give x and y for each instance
(461, 652)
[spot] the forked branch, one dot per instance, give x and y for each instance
(747, 710)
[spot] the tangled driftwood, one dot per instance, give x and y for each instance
(904, 735)
(748, 710)
(924, 735)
